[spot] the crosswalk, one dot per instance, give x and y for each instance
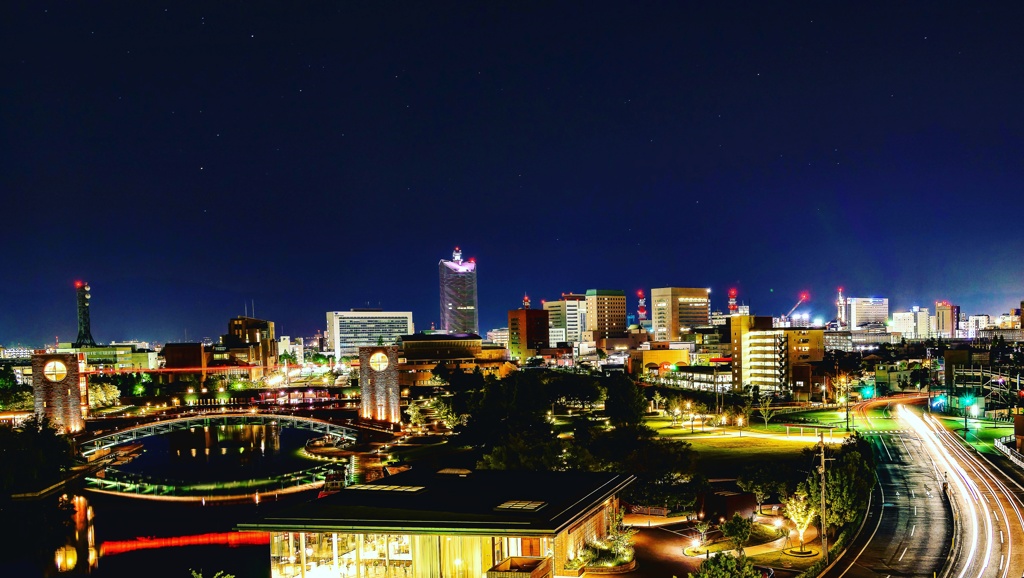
(883, 431)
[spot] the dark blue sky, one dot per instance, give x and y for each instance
(185, 158)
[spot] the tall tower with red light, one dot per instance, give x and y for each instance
(733, 307)
(641, 305)
(84, 322)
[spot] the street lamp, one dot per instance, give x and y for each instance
(965, 402)
(739, 424)
(675, 417)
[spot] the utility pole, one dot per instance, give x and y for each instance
(821, 469)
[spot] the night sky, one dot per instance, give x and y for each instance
(188, 158)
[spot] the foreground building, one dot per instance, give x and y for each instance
(451, 523)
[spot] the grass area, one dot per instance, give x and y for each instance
(983, 432)
(759, 534)
(727, 457)
(777, 559)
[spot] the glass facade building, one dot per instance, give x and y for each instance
(459, 312)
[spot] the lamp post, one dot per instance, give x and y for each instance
(965, 402)
(739, 424)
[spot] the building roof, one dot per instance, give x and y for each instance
(606, 292)
(485, 502)
(439, 337)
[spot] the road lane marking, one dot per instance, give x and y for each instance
(903, 554)
(912, 528)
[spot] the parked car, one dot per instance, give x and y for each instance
(766, 571)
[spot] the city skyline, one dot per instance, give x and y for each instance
(189, 161)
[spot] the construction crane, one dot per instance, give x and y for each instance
(803, 297)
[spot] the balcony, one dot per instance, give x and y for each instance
(521, 566)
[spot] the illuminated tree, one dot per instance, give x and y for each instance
(799, 511)
(766, 410)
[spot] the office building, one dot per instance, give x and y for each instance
(347, 331)
(498, 336)
(459, 312)
(861, 311)
(913, 324)
(947, 316)
(450, 523)
(527, 332)
(569, 313)
(675, 310)
(606, 314)
(251, 341)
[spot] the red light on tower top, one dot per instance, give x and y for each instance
(78, 284)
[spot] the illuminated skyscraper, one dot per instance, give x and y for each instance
(84, 322)
(678, 309)
(458, 295)
(946, 317)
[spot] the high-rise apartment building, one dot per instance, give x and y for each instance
(568, 313)
(947, 316)
(347, 331)
(459, 312)
(606, 314)
(863, 310)
(675, 310)
(769, 356)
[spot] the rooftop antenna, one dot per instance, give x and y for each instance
(245, 309)
(254, 308)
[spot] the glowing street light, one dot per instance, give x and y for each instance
(739, 424)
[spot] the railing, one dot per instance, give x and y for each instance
(128, 483)
(1004, 445)
(166, 426)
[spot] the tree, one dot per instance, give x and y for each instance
(415, 414)
(620, 536)
(723, 565)
(800, 511)
(738, 530)
(758, 481)
(848, 480)
(287, 357)
(219, 574)
(702, 410)
(747, 411)
(658, 399)
(625, 403)
(766, 410)
(702, 527)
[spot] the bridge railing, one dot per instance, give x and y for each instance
(166, 426)
(1005, 445)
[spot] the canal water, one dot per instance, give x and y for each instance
(114, 536)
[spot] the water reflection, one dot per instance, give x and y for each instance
(80, 544)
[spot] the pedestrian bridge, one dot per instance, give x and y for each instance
(165, 426)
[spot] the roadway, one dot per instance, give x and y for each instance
(910, 530)
(907, 531)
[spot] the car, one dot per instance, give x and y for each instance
(766, 571)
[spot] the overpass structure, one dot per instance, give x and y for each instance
(107, 441)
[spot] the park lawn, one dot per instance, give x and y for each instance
(777, 559)
(727, 457)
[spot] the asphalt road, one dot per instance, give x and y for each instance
(908, 530)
